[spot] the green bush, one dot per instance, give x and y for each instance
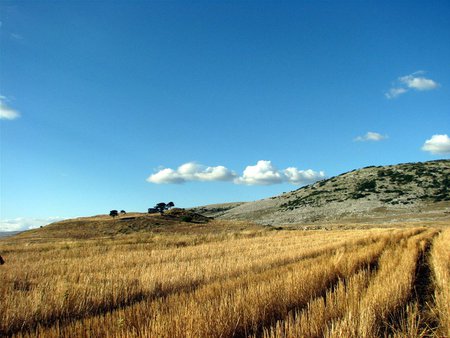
(366, 185)
(358, 195)
(186, 219)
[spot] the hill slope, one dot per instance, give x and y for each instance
(409, 190)
(174, 226)
(175, 220)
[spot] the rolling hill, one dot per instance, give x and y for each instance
(174, 222)
(378, 193)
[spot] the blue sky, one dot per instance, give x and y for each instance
(123, 104)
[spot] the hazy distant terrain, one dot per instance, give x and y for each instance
(8, 233)
(395, 192)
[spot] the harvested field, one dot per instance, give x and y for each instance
(243, 282)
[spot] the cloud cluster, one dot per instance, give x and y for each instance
(7, 113)
(371, 136)
(438, 144)
(409, 82)
(263, 173)
(24, 223)
(192, 171)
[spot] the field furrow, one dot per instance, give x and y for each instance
(322, 313)
(387, 293)
(440, 264)
(312, 320)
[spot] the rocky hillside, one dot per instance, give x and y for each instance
(396, 191)
(216, 210)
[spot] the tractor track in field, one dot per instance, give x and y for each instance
(422, 294)
(423, 291)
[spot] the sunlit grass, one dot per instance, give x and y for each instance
(244, 281)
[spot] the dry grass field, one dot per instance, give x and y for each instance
(226, 279)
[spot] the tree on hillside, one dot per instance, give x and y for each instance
(123, 212)
(113, 213)
(160, 207)
(170, 205)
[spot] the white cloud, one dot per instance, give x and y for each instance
(263, 173)
(192, 171)
(419, 83)
(371, 136)
(394, 92)
(165, 176)
(26, 223)
(301, 177)
(7, 113)
(409, 82)
(438, 144)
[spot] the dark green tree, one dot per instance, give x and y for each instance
(160, 207)
(113, 213)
